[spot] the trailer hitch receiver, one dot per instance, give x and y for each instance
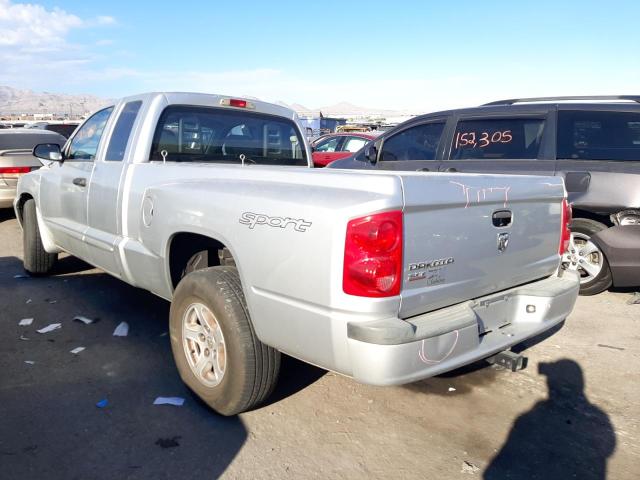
(508, 359)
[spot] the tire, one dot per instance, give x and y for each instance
(36, 261)
(249, 371)
(584, 229)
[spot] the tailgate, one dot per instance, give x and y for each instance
(455, 247)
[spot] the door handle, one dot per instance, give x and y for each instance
(450, 169)
(81, 182)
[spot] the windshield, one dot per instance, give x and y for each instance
(207, 134)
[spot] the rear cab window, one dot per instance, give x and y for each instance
(598, 135)
(217, 135)
(497, 138)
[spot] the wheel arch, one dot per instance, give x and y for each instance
(183, 246)
(586, 214)
(20, 206)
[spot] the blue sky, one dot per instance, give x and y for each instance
(415, 55)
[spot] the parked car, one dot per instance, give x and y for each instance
(63, 128)
(593, 143)
(16, 158)
(209, 202)
(334, 146)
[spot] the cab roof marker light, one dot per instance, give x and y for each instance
(236, 102)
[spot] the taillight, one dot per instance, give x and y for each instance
(373, 255)
(4, 170)
(565, 221)
(13, 172)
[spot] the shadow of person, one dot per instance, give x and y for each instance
(562, 437)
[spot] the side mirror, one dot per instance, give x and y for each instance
(313, 149)
(371, 154)
(48, 151)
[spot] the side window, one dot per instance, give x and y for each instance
(353, 144)
(328, 146)
(584, 135)
(122, 131)
(518, 138)
(415, 143)
(87, 138)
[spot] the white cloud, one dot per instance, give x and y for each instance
(105, 20)
(34, 45)
(29, 24)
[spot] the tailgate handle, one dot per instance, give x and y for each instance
(502, 218)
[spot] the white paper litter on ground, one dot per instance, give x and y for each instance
(29, 362)
(22, 337)
(50, 328)
(82, 319)
(177, 401)
(451, 389)
(25, 321)
(121, 330)
(28, 301)
(77, 350)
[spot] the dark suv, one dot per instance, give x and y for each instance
(593, 142)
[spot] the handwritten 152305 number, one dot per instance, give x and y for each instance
(483, 139)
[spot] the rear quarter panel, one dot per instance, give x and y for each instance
(292, 279)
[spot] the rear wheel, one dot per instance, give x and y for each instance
(214, 345)
(37, 261)
(585, 257)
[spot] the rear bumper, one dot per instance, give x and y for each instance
(621, 246)
(7, 194)
(395, 351)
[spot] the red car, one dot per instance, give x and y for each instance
(334, 146)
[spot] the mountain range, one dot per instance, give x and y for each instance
(17, 101)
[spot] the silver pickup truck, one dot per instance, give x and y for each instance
(387, 277)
